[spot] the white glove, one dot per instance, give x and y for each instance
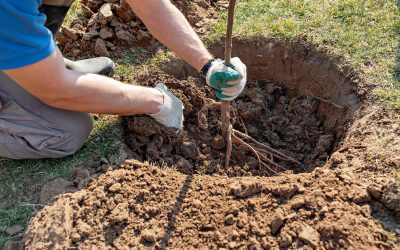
(229, 81)
(171, 113)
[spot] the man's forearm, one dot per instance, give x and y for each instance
(58, 87)
(98, 94)
(169, 26)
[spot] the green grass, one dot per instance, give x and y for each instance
(364, 34)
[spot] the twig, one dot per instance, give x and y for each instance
(326, 101)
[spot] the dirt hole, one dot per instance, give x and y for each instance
(296, 100)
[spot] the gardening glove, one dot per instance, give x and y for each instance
(171, 113)
(228, 81)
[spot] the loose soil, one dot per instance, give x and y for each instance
(102, 35)
(264, 111)
(140, 206)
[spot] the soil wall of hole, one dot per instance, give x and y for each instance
(303, 70)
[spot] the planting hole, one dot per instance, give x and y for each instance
(296, 100)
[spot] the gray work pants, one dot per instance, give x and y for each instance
(30, 129)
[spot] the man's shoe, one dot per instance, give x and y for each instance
(55, 17)
(98, 65)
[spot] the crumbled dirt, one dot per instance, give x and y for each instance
(264, 110)
(110, 27)
(142, 206)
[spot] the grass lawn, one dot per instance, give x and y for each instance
(364, 34)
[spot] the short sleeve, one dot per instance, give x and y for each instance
(24, 39)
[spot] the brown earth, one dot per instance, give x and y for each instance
(139, 206)
(110, 27)
(264, 111)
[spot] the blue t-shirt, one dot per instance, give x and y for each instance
(24, 39)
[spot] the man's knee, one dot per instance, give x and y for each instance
(76, 131)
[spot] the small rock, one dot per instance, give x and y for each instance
(277, 221)
(100, 48)
(218, 142)
(374, 191)
(309, 235)
(245, 189)
(229, 219)
(105, 13)
(184, 166)
(149, 236)
(15, 229)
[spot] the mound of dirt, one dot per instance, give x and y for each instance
(140, 206)
(110, 26)
(264, 111)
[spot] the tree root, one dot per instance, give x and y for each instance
(265, 155)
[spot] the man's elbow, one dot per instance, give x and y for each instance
(56, 97)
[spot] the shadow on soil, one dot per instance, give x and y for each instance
(175, 211)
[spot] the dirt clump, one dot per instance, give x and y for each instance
(110, 27)
(264, 111)
(142, 206)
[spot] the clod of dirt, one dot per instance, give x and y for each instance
(244, 189)
(218, 142)
(149, 236)
(100, 48)
(277, 221)
(162, 208)
(310, 236)
(54, 188)
(184, 166)
(285, 191)
(15, 229)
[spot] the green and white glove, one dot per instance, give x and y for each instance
(171, 113)
(228, 81)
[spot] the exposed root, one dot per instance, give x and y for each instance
(267, 148)
(228, 146)
(265, 154)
